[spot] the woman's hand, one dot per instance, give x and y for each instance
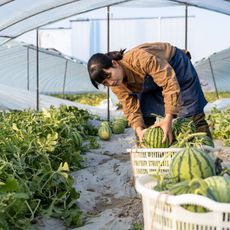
(166, 125)
(140, 133)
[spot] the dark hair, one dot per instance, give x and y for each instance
(98, 62)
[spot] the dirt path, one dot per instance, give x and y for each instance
(108, 197)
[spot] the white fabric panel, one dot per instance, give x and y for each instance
(80, 44)
(172, 29)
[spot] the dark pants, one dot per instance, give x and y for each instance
(149, 121)
(201, 124)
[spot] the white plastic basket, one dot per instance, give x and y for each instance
(151, 161)
(164, 212)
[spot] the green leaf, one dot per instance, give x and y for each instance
(10, 185)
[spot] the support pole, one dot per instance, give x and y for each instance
(108, 49)
(37, 67)
(64, 81)
(186, 27)
(213, 78)
(28, 68)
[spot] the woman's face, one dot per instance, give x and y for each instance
(115, 75)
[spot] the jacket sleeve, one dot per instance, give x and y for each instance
(162, 74)
(130, 104)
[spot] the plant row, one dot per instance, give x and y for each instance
(37, 152)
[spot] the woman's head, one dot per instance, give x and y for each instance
(104, 68)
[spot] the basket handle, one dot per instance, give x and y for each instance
(198, 200)
(182, 199)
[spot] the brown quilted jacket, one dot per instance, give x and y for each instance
(152, 59)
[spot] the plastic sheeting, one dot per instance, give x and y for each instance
(57, 73)
(221, 6)
(19, 99)
(20, 16)
(214, 71)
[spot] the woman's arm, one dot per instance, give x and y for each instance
(130, 105)
(164, 76)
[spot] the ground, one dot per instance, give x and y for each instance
(108, 198)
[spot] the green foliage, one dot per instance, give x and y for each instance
(182, 126)
(219, 123)
(38, 150)
(136, 227)
(84, 98)
(211, 96)
(192, 139)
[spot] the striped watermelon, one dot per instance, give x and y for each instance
(220, 186)
(195, 208)
(77, 138)
(123, 120)
(105, 123)
(153, 138)
(118, 127)
(195, 186)
(104, 132)
(183, 126)
(186, 187)
(191, 163)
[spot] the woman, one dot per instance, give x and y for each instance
(152, 78)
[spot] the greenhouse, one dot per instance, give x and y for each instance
(58, 73)
(71, 159)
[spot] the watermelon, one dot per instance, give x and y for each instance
(104, 132)
(123, 120)
(118, 127)
(220, 186)
(194, 186)
(195, 208)
(182, 126)
(77, 138)
(190, 163)
(153, 138)
(105, 123)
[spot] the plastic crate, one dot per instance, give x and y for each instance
(164, 212)
(151, 161)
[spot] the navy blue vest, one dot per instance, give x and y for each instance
(191, 99)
